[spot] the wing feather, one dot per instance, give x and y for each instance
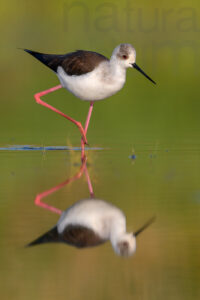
(75, 63)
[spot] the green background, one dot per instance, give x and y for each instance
(166, 38)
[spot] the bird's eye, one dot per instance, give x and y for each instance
(125, 56)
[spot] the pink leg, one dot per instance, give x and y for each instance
(86, 128)
(39, 101)
(39, 197)
(89, 116)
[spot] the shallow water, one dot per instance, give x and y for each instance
(161, 180)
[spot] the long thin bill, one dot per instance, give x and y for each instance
(140, 70)
(145, 226)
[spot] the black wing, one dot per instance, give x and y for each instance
(74, 63)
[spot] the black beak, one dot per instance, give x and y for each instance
(144, 226)
(140, 70)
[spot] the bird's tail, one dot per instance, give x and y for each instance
(49, 60)
(50, 236)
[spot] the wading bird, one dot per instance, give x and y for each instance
(89, 76)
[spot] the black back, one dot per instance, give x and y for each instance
(74, 63)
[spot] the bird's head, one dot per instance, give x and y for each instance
(125, 55)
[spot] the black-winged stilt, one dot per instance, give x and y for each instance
(88, 75)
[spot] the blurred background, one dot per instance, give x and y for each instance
(159, 124)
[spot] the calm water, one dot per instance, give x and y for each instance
(163, 180)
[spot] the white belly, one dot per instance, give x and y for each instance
(92, 86)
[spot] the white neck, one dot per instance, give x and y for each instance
(117, 69)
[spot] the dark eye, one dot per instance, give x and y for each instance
(125, 56)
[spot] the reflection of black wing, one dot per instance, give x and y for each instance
(74, 235)
(49, 237)
(79, 236)
(74, 63)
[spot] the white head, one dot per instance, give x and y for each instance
(125, 56)
(125, 245)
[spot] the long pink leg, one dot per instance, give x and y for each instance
(89, 183)
(86, 128)
(39, 197)
(39, 101)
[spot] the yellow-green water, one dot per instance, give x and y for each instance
(162, 183)
(160, 124)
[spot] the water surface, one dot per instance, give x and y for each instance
(161, 180)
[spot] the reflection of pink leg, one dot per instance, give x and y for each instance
(86, 128)
(39, 101)
(45, 205)
(39, 197)
(89, 183)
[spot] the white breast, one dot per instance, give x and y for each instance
(93, 86)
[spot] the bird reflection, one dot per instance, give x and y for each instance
(89, 222)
